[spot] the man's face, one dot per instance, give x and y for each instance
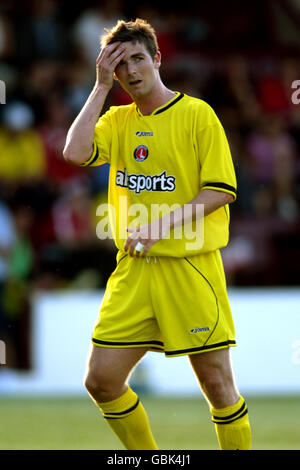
(137, 72)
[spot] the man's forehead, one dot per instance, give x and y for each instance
(135, 47)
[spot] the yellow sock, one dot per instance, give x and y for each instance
(128, 419)
(232, 426)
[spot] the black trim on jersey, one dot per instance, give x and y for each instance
(161, 110)
(128, 343)
(201, 348)
(221, 186)
(94, 158)
(233, 415)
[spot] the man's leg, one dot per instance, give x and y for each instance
(229, 411)
(107, 383)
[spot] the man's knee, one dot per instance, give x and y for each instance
(109, 370)
(101, 385)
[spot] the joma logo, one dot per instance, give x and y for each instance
(198, 330)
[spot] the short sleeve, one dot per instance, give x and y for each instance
(217, 170)
(102, 141)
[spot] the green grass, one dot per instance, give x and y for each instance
(177, 423)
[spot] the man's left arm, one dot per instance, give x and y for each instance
(211, 200)
(151, 233)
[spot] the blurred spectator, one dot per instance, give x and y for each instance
(7, 240)
(7, 40)
(80, 81)
(90, 26)
(22, 255)
(231, 92)
(21, 148)
(274, 88)
(53, 131)
(75, 256)
(41, 78)
(42, 35)
(167, 24)
(272, 153)
(16, 264)
(195, 30)
(72, 215)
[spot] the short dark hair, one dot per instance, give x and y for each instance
(135, 31)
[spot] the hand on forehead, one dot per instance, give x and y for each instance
(132, 48)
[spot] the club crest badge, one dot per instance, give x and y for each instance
(141, 153)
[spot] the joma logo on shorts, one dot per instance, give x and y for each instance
(197, 330)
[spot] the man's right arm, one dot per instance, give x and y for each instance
(80, 138)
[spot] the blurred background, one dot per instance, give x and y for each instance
(242, 60)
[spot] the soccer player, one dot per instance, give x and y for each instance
(169, 151)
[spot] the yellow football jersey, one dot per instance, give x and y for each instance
(161, 161)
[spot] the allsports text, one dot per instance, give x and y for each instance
(138, 183)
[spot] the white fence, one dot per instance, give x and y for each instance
(266, 359)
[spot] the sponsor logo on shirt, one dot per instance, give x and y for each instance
(139, 183)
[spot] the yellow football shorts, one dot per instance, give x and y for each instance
(174, 305)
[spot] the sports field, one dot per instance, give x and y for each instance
(177, 423)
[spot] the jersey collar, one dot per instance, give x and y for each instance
(165, 106)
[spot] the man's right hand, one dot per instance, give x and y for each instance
(79, 142)
(106, 62)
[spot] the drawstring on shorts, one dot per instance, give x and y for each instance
(148, 259)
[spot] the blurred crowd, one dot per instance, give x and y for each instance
(48, 207)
